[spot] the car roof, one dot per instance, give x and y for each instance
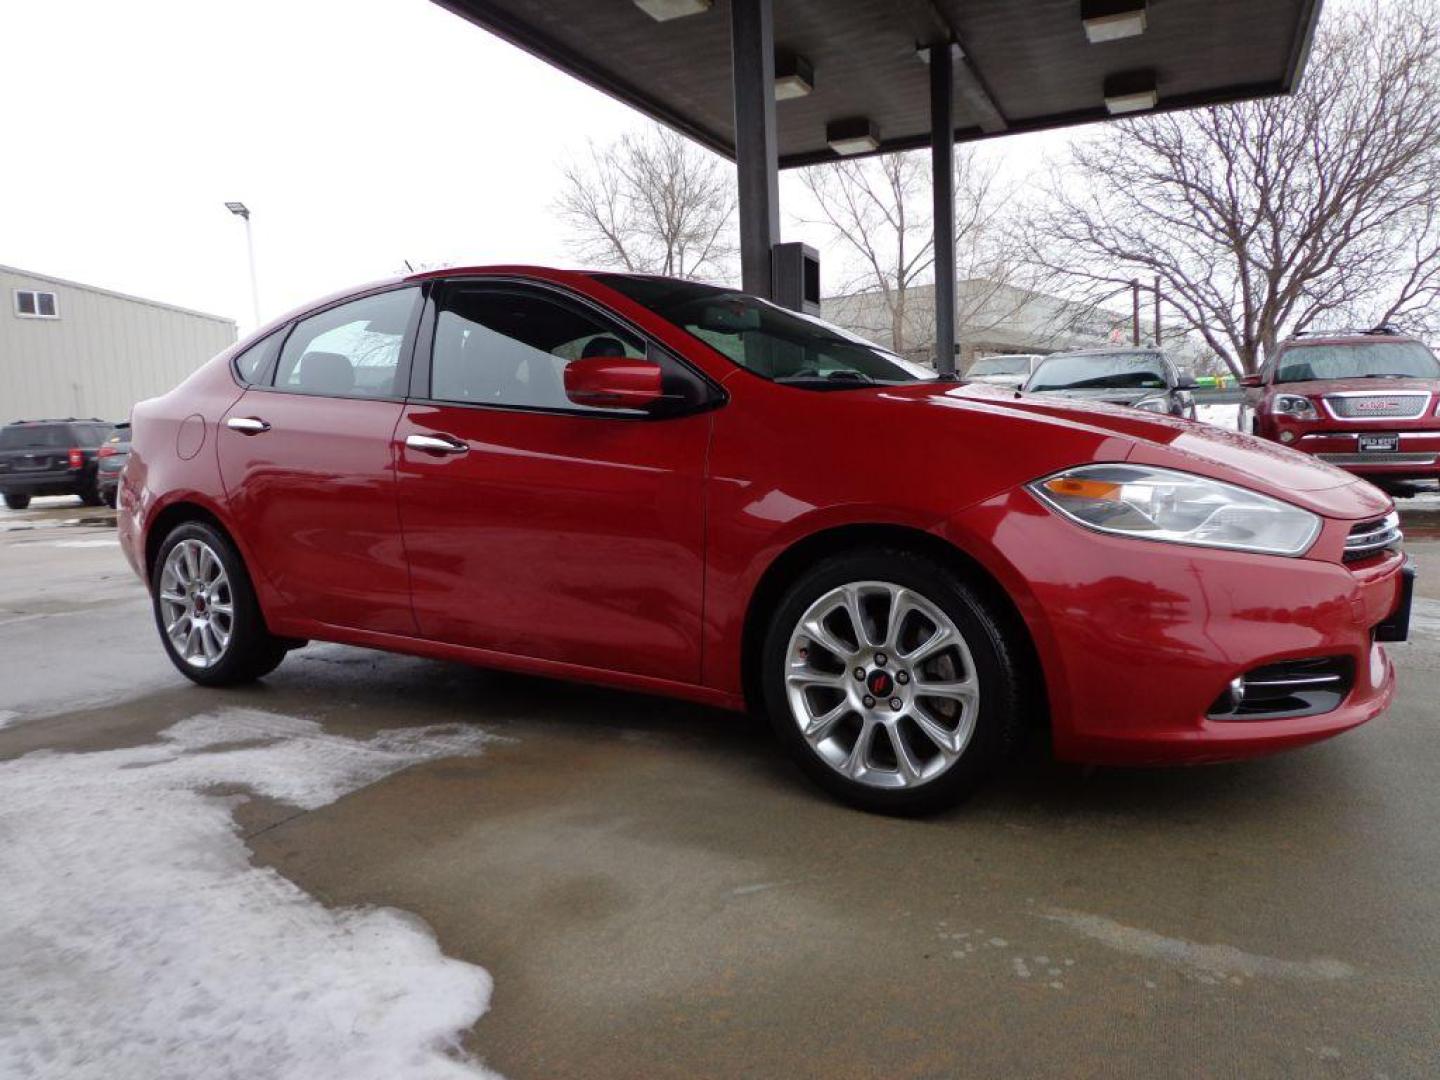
(1113, 350)
(1356, 338)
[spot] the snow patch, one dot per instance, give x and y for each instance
(1226, 416)
(136, 938)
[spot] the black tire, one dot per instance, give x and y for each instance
(109, 497)
(995, 653)
(89, 492)
(16, 501)
(252, 651)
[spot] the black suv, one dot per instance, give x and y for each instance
(51, 457)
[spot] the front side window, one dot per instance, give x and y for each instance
(351, 350)
(773, 342)
(1101, 371)
(507, 346)
(1362, 360)
(36, 305)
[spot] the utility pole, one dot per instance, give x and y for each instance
(1157, 309)
(1135, 311)
(240, 210)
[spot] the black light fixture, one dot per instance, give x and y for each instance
(854, 135)
(665, 10)
(1111, 20)
(1130, 91)
(794, 77)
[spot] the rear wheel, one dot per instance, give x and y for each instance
(891, 682)
(206, 611)
(90, 492)
(16, 501)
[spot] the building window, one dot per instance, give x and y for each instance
(35, 305)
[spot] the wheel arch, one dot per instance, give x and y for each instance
(791, 562)
(172, 515)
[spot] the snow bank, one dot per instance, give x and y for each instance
(137, 940)
(1226, 416)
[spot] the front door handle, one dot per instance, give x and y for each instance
(248, 425)
(436, 444)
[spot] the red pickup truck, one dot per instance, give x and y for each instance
(1366, 401)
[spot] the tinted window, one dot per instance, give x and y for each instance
(1363, 360)
(505, 346)
(25, 435)
(253, 365)
(768, 340)
(1100, 371)
(352, 350)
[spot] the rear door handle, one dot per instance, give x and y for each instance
(436, 444)
(248, 425)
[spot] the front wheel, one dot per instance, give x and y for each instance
(891, 682)
(206, 611)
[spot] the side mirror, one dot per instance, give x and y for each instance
(1251, 381)
(613, 382)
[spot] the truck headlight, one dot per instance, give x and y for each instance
(1178, 508)
(1295, 406)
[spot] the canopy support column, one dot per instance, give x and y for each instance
(752, 45)
(942, 164)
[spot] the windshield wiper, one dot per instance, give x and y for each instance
(836, 380)
(1387, 375)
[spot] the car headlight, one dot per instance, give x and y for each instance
(1160, 404)
(1178, 508)
(1295, 406)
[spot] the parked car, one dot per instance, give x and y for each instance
(50, 457)
(1143, 378)
(680, 489)
(1011, 371)
(110, 461)
(1367, 401)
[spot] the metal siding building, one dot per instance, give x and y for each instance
(101, 353)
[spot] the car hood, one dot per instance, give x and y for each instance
(1012, 381)
(1320, 387)
(1110, 394)
(1123, 434)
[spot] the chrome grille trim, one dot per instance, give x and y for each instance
(1378, 457)
(1408, 405)
(1369, 537)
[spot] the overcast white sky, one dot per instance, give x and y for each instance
(360, 133)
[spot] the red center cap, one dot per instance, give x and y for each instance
(879, 684)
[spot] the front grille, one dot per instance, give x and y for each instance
(1377, 406)
(1369, 538)
(1377, 458)
(1287, 689)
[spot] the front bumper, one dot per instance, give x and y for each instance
(1139, 639)
(1416, 455)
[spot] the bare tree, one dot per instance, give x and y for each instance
(651, 203)
(1273, 215)
(879, 212)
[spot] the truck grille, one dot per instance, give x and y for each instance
(1369, 538)
(1377, 406)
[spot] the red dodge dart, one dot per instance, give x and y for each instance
(681, 489)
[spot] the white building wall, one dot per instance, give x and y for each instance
(105, 352)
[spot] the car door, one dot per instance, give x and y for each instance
(544, 528)
(307, 458)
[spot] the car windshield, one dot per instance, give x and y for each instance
(24, 436)
(773, 342)
(1000, 365)
(1362, 360)
(1100, 371)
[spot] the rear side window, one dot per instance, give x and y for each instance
(253, 365)
(351, 350)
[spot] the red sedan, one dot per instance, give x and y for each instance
(680, 489)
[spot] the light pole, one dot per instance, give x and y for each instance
(239, 209)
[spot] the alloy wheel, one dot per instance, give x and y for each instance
(196, 603)
(881, 684)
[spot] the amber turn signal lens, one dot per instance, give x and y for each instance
(1080, 488)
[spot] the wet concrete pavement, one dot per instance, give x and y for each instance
(658, 894)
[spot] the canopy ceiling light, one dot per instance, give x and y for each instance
(1130, 91)
(794, 77)
(665, 10)
(1111, 20)
(856, 135)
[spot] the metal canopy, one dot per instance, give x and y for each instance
(1024, 65)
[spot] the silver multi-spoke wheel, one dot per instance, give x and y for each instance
(197, 606)
(881, 684)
